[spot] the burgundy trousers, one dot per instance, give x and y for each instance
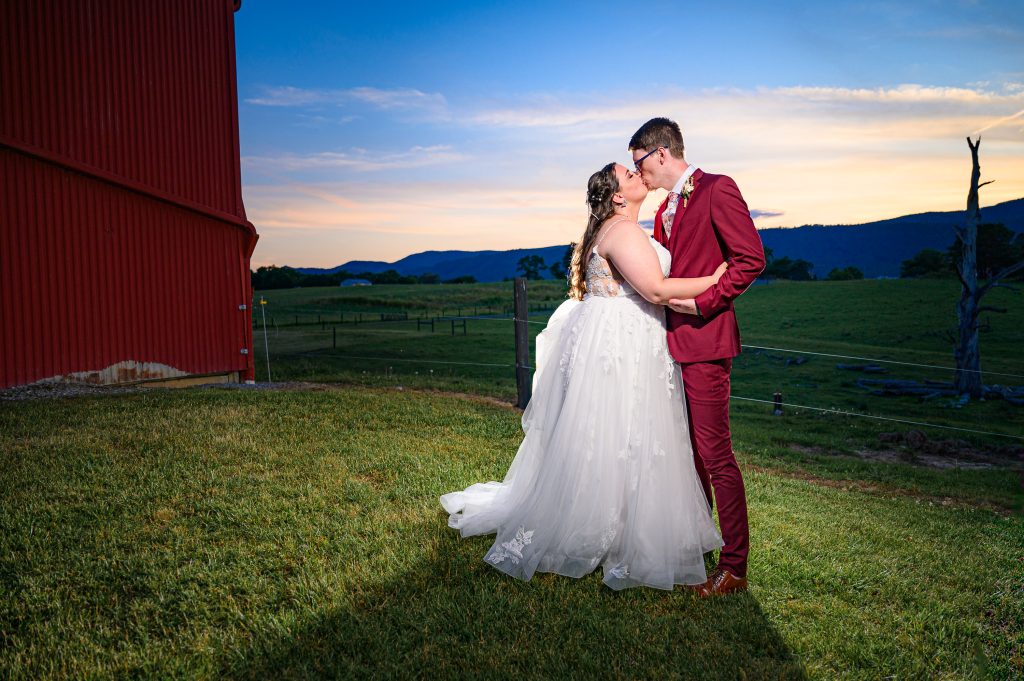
(706, 385)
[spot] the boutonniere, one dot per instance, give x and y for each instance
(687, 190)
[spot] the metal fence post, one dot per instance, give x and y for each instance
(266, 344)
(524, 385)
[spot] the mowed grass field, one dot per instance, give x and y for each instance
(296, 533)
(219, 533)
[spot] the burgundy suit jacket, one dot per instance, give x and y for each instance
(714, 226)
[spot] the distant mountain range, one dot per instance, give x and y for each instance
(482, 265)
(876, 248)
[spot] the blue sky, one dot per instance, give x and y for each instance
(376, 130)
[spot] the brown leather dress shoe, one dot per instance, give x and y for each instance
(724, 582)
(703, 589)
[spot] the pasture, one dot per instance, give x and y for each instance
(295, 532)
(900, 320)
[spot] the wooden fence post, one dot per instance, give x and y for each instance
(524, 385)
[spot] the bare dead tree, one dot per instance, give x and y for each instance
(967, 379)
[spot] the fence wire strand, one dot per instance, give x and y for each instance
(880, 361)
(795, 351)
(403, 359)
(878, 418)
(840, 412)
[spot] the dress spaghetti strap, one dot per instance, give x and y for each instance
(608, 229)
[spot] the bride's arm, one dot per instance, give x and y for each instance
(628, 248)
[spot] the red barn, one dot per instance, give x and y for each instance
(124, 246)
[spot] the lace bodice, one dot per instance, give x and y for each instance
(602, 284)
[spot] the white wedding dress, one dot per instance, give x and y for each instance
(605, 474)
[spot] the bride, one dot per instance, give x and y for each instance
(605, 473)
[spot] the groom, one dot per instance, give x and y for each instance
(702, 222)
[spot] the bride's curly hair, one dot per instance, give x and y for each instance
(600, 188)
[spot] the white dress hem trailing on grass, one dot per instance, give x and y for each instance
(605, 473)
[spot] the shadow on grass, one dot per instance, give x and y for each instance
(447, 614)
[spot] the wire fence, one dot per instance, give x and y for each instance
(796, 351)
(880, 361)
(843, 412)
(396, 323)
(774, 403)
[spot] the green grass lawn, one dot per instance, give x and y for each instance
(293, 534)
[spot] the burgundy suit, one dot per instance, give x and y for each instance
(714, 226)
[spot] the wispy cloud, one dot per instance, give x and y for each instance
(757, 214)
(909, 93)
(356, 159)
(396, 99)
(999, 121)
(909, 101)
(987, 32)
(405, 98)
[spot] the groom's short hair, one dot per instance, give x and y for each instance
(658, 132)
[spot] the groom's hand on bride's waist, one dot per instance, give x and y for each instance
(685, 306)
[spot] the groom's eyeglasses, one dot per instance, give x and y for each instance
(639, 162)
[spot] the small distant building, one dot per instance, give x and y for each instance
(356, 282)
(124, 244)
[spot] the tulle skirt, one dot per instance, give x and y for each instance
(605, 474)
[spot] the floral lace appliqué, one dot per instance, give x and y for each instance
(611, 352)
(512, 549)
(608, 536)
(620, 572)
(600, 281)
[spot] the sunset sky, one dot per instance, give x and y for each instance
(375, 130)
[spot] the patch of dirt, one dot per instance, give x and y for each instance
(885, 490)
(320, 387)
(375, 478)
(44, 391)
(484, 399)
(280, 385)
(915, 448)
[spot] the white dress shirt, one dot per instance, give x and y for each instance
(690, 170)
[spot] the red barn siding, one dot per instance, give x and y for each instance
(123, 241)
(143, 90)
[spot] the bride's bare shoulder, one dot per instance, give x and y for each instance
(622, 238)
(627, 230)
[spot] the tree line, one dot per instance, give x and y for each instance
(273, 277)
(795, 269)
(997, 246)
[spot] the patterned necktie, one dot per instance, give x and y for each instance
(670, 213)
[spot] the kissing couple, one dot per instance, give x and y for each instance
(627, 442)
